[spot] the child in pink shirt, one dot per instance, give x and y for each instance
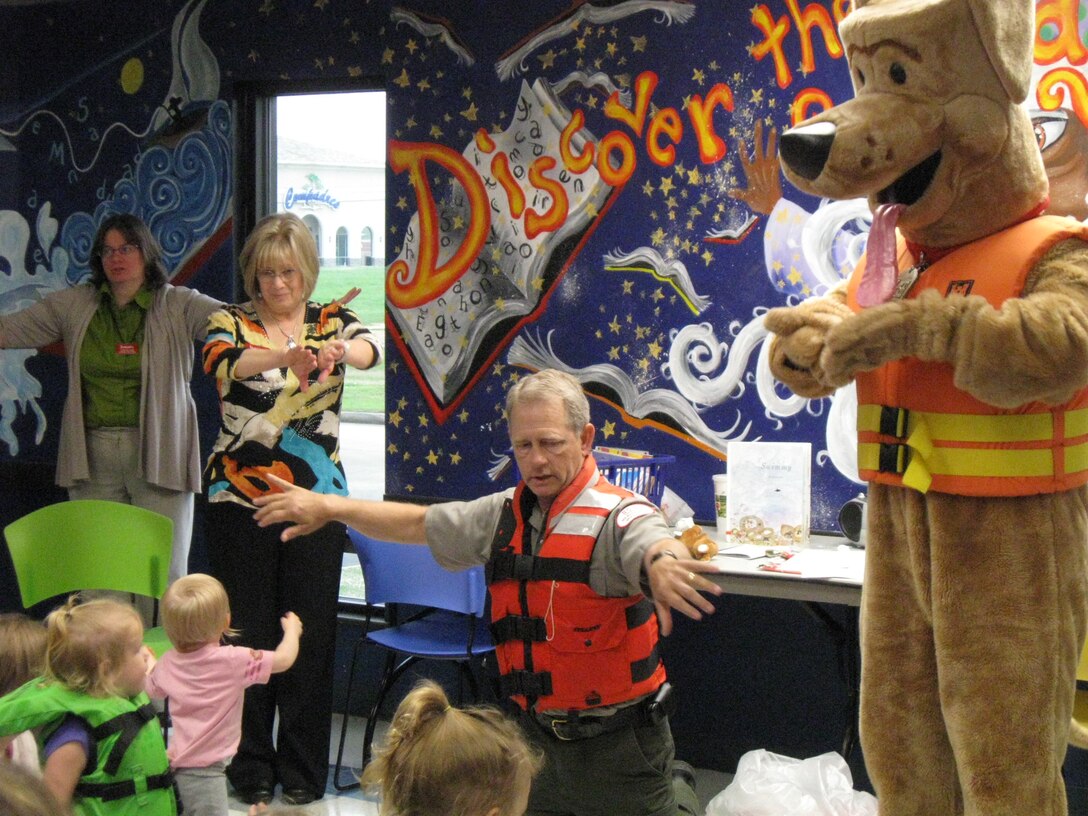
(205, 684)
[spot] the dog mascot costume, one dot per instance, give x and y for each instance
(966, 333)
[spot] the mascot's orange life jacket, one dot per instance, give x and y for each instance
(916, 428)
(560, 645)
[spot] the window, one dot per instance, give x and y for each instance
(320, 152)
(342, 258)
(366, 247)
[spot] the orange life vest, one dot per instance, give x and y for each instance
(560, 645)
(916, 428)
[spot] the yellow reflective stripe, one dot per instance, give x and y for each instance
(985, 429)
(1076, 423)
(869, 418)
(917, 475)
(868, 456)
(990, 462)
(981, 461)
(980, 428)
(1076, 458)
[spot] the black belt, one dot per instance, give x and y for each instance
(576, 726)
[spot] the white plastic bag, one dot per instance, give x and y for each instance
(767, 784)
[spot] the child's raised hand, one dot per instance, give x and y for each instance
(149, 658)
(291, 624)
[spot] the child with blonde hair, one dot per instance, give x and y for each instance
(438, 760)
(100, 740)
(23, 793)
(22, 658)
(205, 683)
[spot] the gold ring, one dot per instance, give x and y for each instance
(691, 577)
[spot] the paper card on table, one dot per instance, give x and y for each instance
(769, 485)
(847, 563)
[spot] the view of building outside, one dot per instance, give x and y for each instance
(330, 157)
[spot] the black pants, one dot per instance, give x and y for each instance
(265, 578)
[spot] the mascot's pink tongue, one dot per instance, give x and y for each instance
(881, 269)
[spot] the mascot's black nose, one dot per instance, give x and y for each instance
(805, 148)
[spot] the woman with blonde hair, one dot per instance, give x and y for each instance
(279, 361)
(438, 760)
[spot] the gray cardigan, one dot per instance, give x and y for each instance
(169, 443)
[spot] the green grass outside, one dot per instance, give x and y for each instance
(363, 390)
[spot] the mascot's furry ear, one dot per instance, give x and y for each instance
(1006, 29)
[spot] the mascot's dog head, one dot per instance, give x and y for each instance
(935, 129)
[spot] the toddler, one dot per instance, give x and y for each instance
(205, 682)
(23, 793)
(443, 761)
(100, 741)
(22, 658)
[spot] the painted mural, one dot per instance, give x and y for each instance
(591, 186)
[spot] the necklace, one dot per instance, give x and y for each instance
(288, 336)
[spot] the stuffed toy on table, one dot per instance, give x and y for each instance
(965, 329)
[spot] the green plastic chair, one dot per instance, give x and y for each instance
(91, 544)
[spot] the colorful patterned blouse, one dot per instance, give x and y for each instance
(268, 424)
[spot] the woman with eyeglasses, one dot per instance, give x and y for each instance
(129, 427)
(279, 361)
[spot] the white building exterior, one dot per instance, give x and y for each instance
(340, 197)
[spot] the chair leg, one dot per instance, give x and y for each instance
(392, 674)
(470, 675)
(344, 724)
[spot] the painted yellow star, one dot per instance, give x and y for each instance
(614, 326)
(638, 43)
(470, 112)
(628, 287)
(547, 60)
(395, 419)
(432, 457)
(609, 429)
(666, 185)
(423, 421)
(614, 353)
(698, 75)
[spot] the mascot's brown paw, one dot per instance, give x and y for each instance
(800, 335)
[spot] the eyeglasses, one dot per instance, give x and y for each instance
(124, 250)
(269, 275)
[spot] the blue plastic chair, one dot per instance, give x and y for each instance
(452, 626)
